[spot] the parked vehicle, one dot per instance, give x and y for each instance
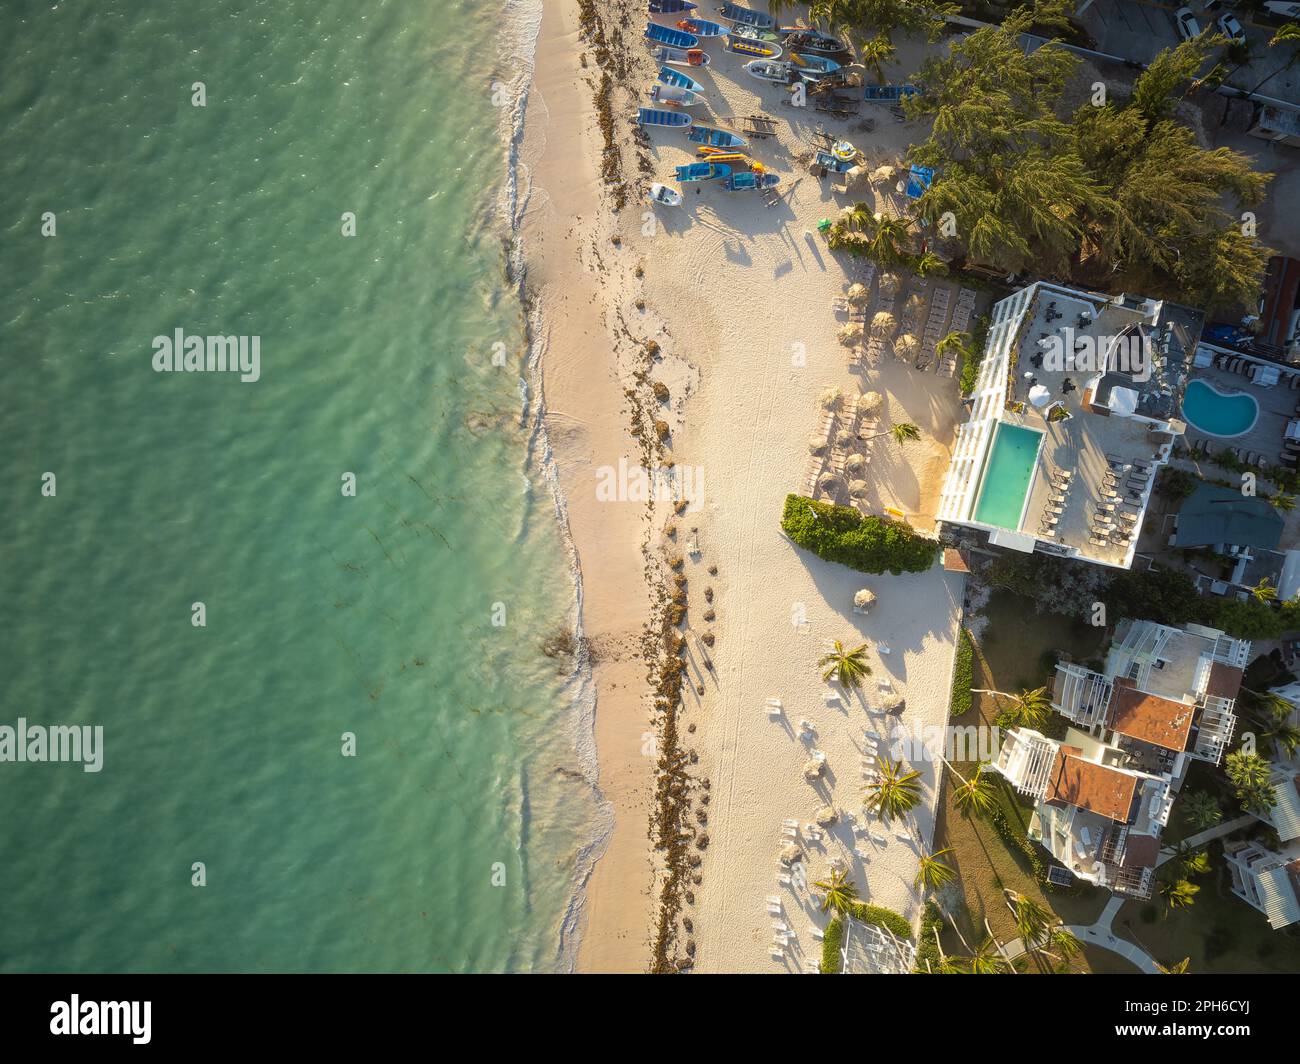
(1186, 23)
(1231, 28)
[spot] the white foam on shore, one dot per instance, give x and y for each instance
(522, 20)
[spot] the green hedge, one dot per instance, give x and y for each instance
(832, 943)
(881, 917)
(963, 673)
(868, 544)
(927, 951)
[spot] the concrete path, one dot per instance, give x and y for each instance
(1101, 934)
(1202, 837)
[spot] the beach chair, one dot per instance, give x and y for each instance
(774, 707)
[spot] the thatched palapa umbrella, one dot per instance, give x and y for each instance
(884, 175)
(858, 293)
(889, 284)
(831, 398)
(812, 770)
(851, 334)
(816, 444)
(863, 600)
(858, 488)
(883, 324)
(906, 346)
(869, 402)
(854, 466)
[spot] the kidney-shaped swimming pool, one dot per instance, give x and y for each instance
(1218, 413)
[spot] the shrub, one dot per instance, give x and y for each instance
(879, 916)
(832, 943)
(970, 366)
(963, 673)
(868, 544)
(927, 951)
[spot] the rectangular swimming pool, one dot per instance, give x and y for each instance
(1010, 467)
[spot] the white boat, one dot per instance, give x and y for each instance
(686, 57)
(676, 95)
(669, 197)
(769, 70)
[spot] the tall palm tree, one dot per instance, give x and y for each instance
(1189, 861)
(1284, 736)
(1287, 34)
(1179, 968)
(1178, 894)
(1028, 708)
(1201, 809)
(886, 245)
(847, 666)
(1064, 942)
(1033, 919)
(1264, 591)
(956, 344)
(974, 795)
(859, 218)
(932, 872)
(839, 892)
(895, 792)
(928, 263)
(987, 960)
(902, 432)
(874, 53)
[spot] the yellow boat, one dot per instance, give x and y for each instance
(715, 156)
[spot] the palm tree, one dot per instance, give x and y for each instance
(1180, 968)
(1178, 894)
(1288, 33)
(895, 792)
(1282, 501)
(846, 666)
(1251, 777)
(975, 795)
(956, 344)
(1264, 591)
(885, 246)
(839, 892)
(859, 218)
(1029, 708)
(1284, 736)
(928, 263)
(933, 873)
(902, 432)
(1201, 810)
(874, 53)
(987, 960)
(1189, 861)
(1064, 941)
(1033, 919)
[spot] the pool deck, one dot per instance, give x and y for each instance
(1277, 406)
(1079, 444)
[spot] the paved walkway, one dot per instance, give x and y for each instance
(1202, 837)
(1100, 934)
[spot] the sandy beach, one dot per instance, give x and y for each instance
(738, 297)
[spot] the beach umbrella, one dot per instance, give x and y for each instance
(888, 284)
(863, 600)
(855, 463)
(844, 438)
(851, 334)
(906, 346)
(869, 402)
(884, 175)
(826, 816)
(883, 324)
(915, 303)
(858, 293)
(857, 488)
(816, 444)
(1039, 396)
(831, 398)
(812, 770)
(791, 854)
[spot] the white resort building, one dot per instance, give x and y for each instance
(1269, 879)
(1075, 407)
(1104, 793)
(1165, 695)
(1098, 817)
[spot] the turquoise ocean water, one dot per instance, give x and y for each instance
(325, 614)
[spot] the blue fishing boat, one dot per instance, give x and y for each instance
(715, 138)
(749, 182)
(652, 116)
(743, 16)
(832, 164)
(702, 27)
(669, 36)
(703, 172)
(670, 7)
(674, 77)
